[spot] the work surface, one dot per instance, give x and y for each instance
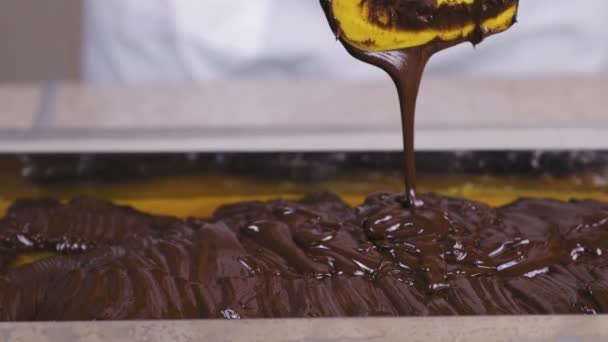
(303, 115)
(470, 329)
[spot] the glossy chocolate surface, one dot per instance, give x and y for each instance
(316, 257)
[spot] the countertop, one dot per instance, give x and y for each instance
(454, 114)
(469, 329)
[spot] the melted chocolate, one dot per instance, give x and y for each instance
(316, 257)
(419, 15)
(406, 66)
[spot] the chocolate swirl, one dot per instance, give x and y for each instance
(316, 257)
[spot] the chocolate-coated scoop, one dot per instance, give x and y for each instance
(385, 25)
(400, 36)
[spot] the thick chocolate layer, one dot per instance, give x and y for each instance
(316, 257)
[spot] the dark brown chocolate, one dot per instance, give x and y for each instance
(406, 66)
(316, 257)
(418, 15)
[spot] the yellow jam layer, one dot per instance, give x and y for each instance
(29, 258)
(358, 31)
(495, 191)
(199, 194)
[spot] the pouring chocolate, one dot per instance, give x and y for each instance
(400, 36)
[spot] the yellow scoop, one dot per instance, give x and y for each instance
(377, 31)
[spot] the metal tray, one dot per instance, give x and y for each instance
(186, 184)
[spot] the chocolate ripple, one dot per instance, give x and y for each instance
(315, 257)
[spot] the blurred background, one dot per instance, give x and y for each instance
(107, 75)
(194, 77)
(133, 41)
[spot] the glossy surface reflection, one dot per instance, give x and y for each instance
(315, 257)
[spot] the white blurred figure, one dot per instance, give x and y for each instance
(131, 41)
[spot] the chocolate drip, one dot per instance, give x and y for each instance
(406, 66)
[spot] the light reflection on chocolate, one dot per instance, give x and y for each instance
(316, 257)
